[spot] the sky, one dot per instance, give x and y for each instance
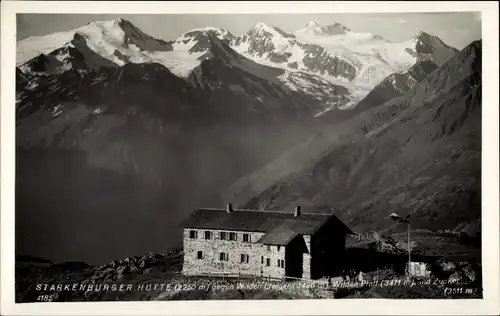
(457, 29)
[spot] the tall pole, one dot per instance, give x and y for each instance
(409, 249)
(407, 220)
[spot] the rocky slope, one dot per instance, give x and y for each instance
(397, 84)
(148, 276)
(271, 44)
(431, 53)
(416, 154)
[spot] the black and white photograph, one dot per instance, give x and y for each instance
(241, 156)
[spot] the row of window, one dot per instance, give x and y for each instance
(193, 234)
(277, 248)
(280, 263)
(244, 258)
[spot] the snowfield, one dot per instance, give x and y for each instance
(374, 57)
(107, 39)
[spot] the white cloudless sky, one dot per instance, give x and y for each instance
(457, 29)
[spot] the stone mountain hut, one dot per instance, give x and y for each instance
(263, 243)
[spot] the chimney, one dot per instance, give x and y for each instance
(297, 211)
(229, 207)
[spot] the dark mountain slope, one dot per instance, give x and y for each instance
(135, 36)
(75, 55)
(431, 53)
(227, 78)
(419, 153)
(396, 85)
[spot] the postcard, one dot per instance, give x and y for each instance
(252, 158)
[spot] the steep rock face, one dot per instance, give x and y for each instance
(429, 47)
(225, 76)
(430, 53)
(397, 84)
(200, 38)
(419, 153)
(318, 60)
(316, 93)
(134, 36)
(75, 55)
(21, 78)
(276, 47)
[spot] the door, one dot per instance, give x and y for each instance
(294, 259)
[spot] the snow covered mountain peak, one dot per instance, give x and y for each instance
(118, 41)
(200, 40)
(423, 34)
(426, 38)
(262, 29)
(314, 28)
(261, 26)
(195, 34)
(431, 46)
(312, 24)
(269, 45)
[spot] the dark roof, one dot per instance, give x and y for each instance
(280, 235)
(255, 220)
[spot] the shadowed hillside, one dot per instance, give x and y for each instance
(417, 154)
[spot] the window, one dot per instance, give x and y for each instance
(208, 234)
(268, 262)
(232, 236)
(262, 259)
(281, 263)
(200, 255)
(223, 256)
(246, 237)
(244, 258)
(193, 234)
(223, 235)
(268, 247)
(278, 247)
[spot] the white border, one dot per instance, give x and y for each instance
(490, 159)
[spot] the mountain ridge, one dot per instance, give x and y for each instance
(268, 45)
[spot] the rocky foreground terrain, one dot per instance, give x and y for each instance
(157, 276)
